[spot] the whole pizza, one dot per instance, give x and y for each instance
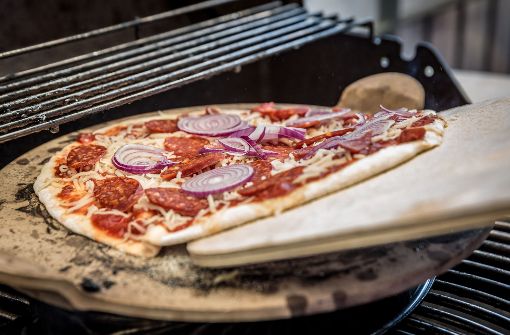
(146, 183)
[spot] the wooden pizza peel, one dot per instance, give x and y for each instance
(464, 183)
(42, 258)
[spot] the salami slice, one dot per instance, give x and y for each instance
(185, 147)
(412, 134)
(274, 186)
(119, 193)
(111, 224)
(176, 200)
(161, 126)
(84, 157)
(357, 144)
(423, 121)
(262, 170)
(86, 138)
(282, 151)
(191, 166)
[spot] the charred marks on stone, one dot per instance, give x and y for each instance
(88, 285)
(108, 284)
(24, 192)
(297, 304)
(44, 161)
(367, 275)
(22, 161)
(439, 256)
(339, 298)
(54, 150)
(65, 268)
(34, 208)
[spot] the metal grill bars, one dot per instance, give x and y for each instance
(140, 69)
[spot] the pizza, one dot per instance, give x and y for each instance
(146, 183)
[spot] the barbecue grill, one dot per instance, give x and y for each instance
(244, 51)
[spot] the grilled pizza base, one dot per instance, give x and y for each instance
(156, 236)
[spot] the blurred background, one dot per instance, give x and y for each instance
(472, 35)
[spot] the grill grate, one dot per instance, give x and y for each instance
(40, 101)
(473, 297)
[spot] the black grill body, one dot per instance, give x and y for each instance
(312, 67)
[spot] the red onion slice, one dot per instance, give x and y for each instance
(257, 149)
(140, 159)
(401, 112)
(211, 125)
(318, 111)
(376, 126)
(235, 146)
(270, 132)
(320, 118)
(218, 180)
(258, 133)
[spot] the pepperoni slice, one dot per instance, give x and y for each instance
(302, 152)
(119, 193)
(412, 134)
(86, 138)
(114, 225)
(424, 121)
(185, 147)
(161, 126)
(176, 200)
(274, 186)
(84, 157)
(191, 166)
(282, 150)
(262, 170)
(357, 144)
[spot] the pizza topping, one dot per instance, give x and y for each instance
(396, 115)
(316, 120)
(282, 151)
(176, 200)
(235, 146)
(218, 180)
(262, 170)
(270, 132)
(274, 186)
(140, 159)
(191, 166)
(119, 193)
(161, 126)
(318, 111)
(375, 126)
(86, 138)
(352, 143)
(268, 109)
(211, 125)
(114, 225)
(185, 147)
(318, 138)
(424, 121)
(84, 157)
(412, 134)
